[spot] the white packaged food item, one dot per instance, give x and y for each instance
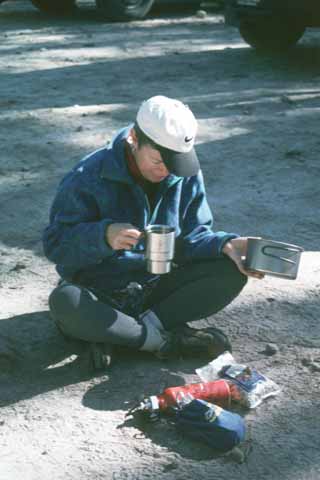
(253, 386)
(210, 372)
(249, 386)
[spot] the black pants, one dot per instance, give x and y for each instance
(184, 295)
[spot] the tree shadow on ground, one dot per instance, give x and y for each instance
(192, 72)
(210, 90)
(35, 358)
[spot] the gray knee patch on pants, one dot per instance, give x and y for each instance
(155, 333)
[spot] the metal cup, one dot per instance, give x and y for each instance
(159, 248)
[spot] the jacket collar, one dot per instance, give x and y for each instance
(114, 165)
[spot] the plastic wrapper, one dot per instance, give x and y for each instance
(253, 387)
(248, 386)
(211, 371)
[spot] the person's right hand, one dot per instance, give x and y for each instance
(122, 236)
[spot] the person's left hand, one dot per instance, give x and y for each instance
(236, 249)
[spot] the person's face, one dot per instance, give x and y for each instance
(149, 162)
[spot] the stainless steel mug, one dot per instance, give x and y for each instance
(160, 240)
(273, 258)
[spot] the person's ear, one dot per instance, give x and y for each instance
(132, 139)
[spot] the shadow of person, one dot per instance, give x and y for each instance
(163, 431)
(35, 358)
(135, 375)
(139, 375)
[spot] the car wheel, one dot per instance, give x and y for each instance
(124, 10)
(55, 6)
(271, 33)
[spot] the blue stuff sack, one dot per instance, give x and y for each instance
(204, 421)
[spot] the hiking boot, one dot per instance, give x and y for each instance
(100, 355)
(190, 342)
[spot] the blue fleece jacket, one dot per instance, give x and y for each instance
(99, 191)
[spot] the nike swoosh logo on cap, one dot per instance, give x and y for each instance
(188, 139)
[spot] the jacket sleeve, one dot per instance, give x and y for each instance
(76, 233)
(197, 239)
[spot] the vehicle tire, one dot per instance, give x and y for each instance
(124, 10)
(272, 34)
(59, 7)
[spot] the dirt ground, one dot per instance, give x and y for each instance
(66, 85)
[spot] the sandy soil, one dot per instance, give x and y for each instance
(66, 86)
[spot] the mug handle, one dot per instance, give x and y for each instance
(287, 260)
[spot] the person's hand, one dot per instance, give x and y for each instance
(236, 249)
(122, 236)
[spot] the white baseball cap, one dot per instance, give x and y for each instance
(171, 125)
